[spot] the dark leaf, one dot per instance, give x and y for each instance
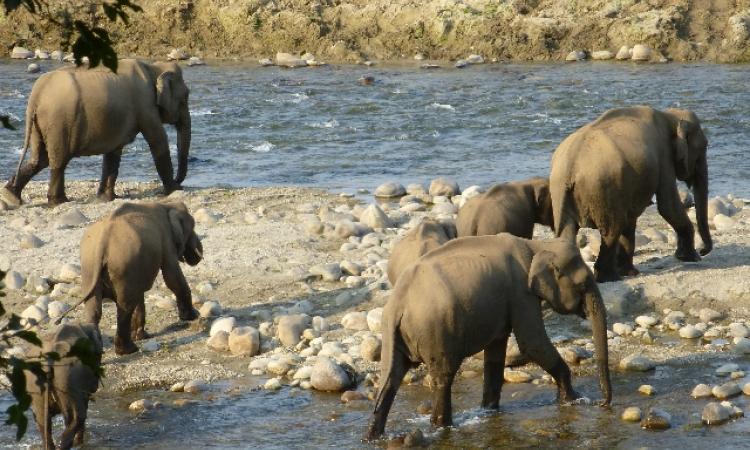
(84, 350)
(5, 120)
(29, 336)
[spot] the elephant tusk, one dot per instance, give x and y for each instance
(199, 253)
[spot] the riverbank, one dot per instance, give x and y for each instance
(357, 30)
(280, 251)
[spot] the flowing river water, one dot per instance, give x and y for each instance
(320, 127)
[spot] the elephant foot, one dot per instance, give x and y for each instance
(190, 314)
(56, 201)
(140, 335)
(567, 396)
(10, 198)
(168, 189)
(630, 271)
(106, 196)
(604, 277)
(124, 348)
(687, 255)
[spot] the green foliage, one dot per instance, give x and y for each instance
(5, 122)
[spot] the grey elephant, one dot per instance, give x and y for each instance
(469, 295)
(82, 112)
(606, 173)
(428, 235)
(71, 387)
(512, 207)
(121, 255)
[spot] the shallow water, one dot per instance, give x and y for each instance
(318, 126)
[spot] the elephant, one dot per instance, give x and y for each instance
(83, 112)
(469, 295)
(426, 236)
(121, 255)
(71, 386)
(512, 207)
(606, 173)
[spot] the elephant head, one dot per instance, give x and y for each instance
(172, 99)
(690, 146)
(189, 247)
(542, 200)
(559, 276)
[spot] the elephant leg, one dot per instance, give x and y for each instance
(442, 411)
(93, 310)
(45, 429)
(494, 364)
(398, 368)
(138, 324)
(157, 141)
(626, 251)
(38, 161)
(670, 208)
(78, 440)
(110, 169)
(74, 420)
(56, 192)
(175, 281)
(126, 304)
(605, 267)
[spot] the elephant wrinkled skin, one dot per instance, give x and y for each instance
(72, 384)
(121, 255)
(606, 173)
(82, 112)
(426, 236)
(512, 207)
(469, 295)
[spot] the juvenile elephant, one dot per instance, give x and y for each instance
(121, 255)
(605, 174)
(467, 296)
(426, 236)
(509, 207)
(72, 385)
(83, 112)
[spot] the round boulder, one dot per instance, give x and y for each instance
(443, 186)
(390, 189)
(328, 376)
(244, 341)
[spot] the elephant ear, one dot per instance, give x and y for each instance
(175, 222)
(165, 95)
(543, 275)
(450, 230)
(543, 204)
(682, 152)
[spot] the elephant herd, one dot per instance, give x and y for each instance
(458, 288)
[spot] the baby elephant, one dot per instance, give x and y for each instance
(72, 384)
(507, 208)
(469, 295)
(121, 255)
(426, 236)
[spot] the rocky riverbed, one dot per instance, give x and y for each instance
(293, 282)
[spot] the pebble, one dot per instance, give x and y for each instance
(33, 68)
(195, 386)
(34, 314)
(328, 272)
(43, 302)
(647, 389)
(352, 396)
(319, 324)
(30, 241)
(390, 189)
(225, 324)
(177, 387)
(278, 367)
(71, 219)
(328, 376)
(475, 59)
(602, 55)
(370, 349)
(355, 320)
(690, 332)
(374, 320)
(303, 373)
(632, 414)
(195, 61)
(35, 283)
(726, 390)
(353, 282)
(14, 281)
(374, 217)
(443, 186)
(210, 309)
(622, 329)
(709, 315)
(715, 413)
(516, 376)
(742, 345)
(219, 341)
(273, 384)
(656, 419)
(637, 363)
(244, 341)
(674, 320)
(737, 329)
(444, 209)
(701, 391)
(141, 405)
(205, 288)
(641, 52)
(69, 272)
(290, 328)
(56, 308)
(576, 55)
(350, 268)
(150, 346)
(726, 369)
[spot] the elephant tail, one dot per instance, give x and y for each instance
(90, 277)
(564, 213)
(30, 121)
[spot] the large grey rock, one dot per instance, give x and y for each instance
(289, 60)
(326, 375)
(637, 363)
(14, 281)
(34, 314)
(219, 341)
(346, 228)
(576, 55)
(244, 341)
(374, 217)
(726, 390)
(21, 53)
(657, 419)
(641, 52)
(177, 54)
(30, 241)
(444, 186)
(33, 68)
(329, 272)
(624, 53)
(375, 319)
(57, 308)
(71, 219)
(390, 189)
(225, 324)
(69, 272)
(715, 413)
(602, 55)
(290, 328)
(355, 320)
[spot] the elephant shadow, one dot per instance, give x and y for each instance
(725, 256)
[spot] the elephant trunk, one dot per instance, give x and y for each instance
(700, 195)
(597, 315)
(183, 144)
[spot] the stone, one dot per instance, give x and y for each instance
(716, 206)
(742, 345)
(69, 273)
(647, 389)
(374, 319)
(709, 315)
(166, 303)
(21, 53)
(370, 349)
(345, 228)
(475, 59)
(219, 341)
(352, 396)
(576, 55)
(290, 328)
(737, 330)
(390, 189)
(150, 346)
(35, 283)
(71, 219)
(273, 384)
(225, 324)
(319, 324)
(350, 268)
(374, 217)
(656, 419)
(516, 376)
(622, 329)
(641, 53)
(278, 367)
(415, 189)
(244, 341)
(177, 54)
(210, 309)
(722, 222)
(328, 272)
(141, 405)
(30, 241)
(266, 62)
(206, 216)
(690, 332)
(674, 320)
(575, 354)
(43, 302)
(444, 186)
(355, 320)
(57, 308)
(195, 386)
(715, 413)
(444, 209)
(195, 61)
(623, 53)
(632, 414)
(460, 64)
(701, 391)
(14, 281)
(4, 263)
(726, 390)
(328, 376)
(177, 387)
(637, 363)
(602, 55)
(34, 314)
(303, 373)
(33, 68)
(726, 369)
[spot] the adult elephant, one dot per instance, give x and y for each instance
(83, 112)
(606, 173)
